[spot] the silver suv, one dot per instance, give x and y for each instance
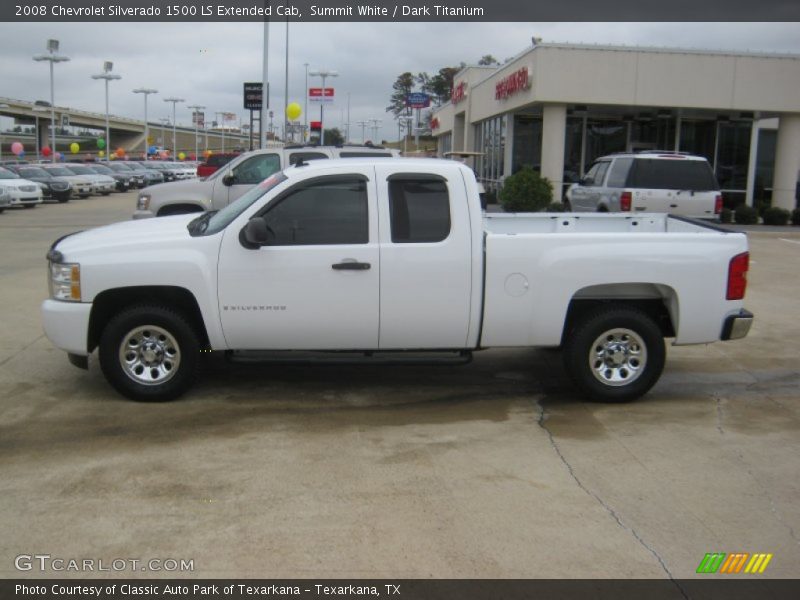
(652, 181)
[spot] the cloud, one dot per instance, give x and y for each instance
(207, 63)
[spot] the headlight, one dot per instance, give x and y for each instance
(65, 281)
(143, 202)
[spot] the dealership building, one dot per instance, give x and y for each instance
(558, 107)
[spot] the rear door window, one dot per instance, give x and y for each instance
(619, 173)
(256, 168)
(419, 209)
(672, 174)
(602, 167)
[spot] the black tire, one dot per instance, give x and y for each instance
(594, 368)
(106, 193)
(29, 205)
(62, 199)
(142, 317)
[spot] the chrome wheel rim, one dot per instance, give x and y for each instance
(149, 355)
(618, 357)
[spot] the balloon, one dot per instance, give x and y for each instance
(17, 148)
(112, 156)
(208, 153)
(101, 153)
(60, 156)
(152, 150)
(101, 143)
(21, 154)
(74, 147)
(293, 111)
(193, 156)
(181, 155)
(46, 151)
(120, 152)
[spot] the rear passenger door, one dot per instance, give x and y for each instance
(425, 249)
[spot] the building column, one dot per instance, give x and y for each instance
(508, 152)
(787, 161)
(751, 164)
(554, 131)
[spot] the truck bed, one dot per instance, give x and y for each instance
(521, 223)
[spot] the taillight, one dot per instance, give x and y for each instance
(625, 201)
(718, 204)
(737, 276)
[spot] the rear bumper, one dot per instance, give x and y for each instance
(66, 325)
(737, 326)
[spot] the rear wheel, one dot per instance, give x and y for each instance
(615, 354)
(150, 353)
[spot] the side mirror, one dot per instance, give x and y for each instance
(255, 234)
(229, 179)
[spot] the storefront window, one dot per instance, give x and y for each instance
(765, 166)
(653, 134)
(490, 139)
(604, 137)
(527, 143)
(733, 152)
(697, 137)
(445, 143)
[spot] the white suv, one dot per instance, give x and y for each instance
(235, 178)
(652, 181)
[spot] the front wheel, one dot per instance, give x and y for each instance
(150, 353)
(615, 354)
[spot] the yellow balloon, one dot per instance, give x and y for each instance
(181, 155)
(74, 148)
(293, 111)
(101, 153)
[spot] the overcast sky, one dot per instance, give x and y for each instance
(207, 63)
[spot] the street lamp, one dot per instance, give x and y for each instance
(146, 92)
(324, 73)
(305, 108)
(108, 76)
(52, 57)
(2, 106)
(196, 118)
(363, 130)
(174, 102)
(375, 124)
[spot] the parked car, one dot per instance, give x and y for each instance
(184, 170)
(652, 181)
(82, 185)
(170, 173)
(237, 177)
(214, 162)
(55, 188)
(137, 177)
(103, 184)
(151, 176)
(366, 255)
(5, 199)
(123, 182)
(21, 192)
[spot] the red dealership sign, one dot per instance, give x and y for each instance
(459, 93)
(434, 123)
(315, 95)
(508, 86)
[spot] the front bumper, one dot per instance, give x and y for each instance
(21, 198)
(737, 326)
(66, 325)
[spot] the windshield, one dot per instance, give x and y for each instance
(119, 168)
(102, 169)
(6, 174)
(135, 167)
(214, 222)
(81, 170)
(60, 171)
(33, 172)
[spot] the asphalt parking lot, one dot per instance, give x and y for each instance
(494, 469)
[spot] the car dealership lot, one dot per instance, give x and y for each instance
(494, 469)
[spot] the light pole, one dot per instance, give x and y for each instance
(324, 73)
(146, 92)
(2, 106)
(107, 75)
(196, 118)
(264, 86)
(53, 57)
(286, 87)
(174, 102)
(305, 108)
(222, 116)
(374, 127)
(363, 130)
(164, 123)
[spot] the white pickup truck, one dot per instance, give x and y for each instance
(384, 257)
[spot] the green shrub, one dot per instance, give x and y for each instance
(776, 216)
(526, 191)
(796, 216)
(555, 207)
(726, 216)
(745, 215)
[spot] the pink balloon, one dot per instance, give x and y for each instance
(17, 148)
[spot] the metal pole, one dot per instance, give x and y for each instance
(174, 136)
(52, 115)
(146, 128)
(108, 127)
(286, 86)
(347, 129)
(322, 115)
(264, 83)
(305, 107)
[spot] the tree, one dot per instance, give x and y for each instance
(440, 86)
(334, 137)
(403, 86)
(488, 60)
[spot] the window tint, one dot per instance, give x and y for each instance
(356, 154)
(257, 168)
(619, 172)
(326, 211)
(419, 208)
(601, 172)
(296, 157)
(672, 174)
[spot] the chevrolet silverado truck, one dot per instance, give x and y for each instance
(389, 259)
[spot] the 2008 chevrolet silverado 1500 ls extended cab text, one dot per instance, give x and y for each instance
(391, 255)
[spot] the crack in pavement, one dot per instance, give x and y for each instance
(20, 351)
(599, 500)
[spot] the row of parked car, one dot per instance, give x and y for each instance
(28, 184)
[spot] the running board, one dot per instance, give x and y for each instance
(301, 357)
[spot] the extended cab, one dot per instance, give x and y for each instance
(391, 256)
(237, 177)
